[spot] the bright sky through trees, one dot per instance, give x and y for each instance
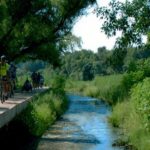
(88, 28)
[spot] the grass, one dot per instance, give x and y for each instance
(43, 110)
(130, 107)
(103, 87)
(132, 115)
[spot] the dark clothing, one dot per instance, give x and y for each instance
(27, 86)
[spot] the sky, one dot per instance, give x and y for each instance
(88, 28)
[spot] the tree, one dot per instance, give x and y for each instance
(35, 28)
(103, 56)
(117, 59)
(131, 18)
(69, 42)
(88, 73)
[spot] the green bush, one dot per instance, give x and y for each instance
(144, 65)
(140, 94)
(130, 79)
(120, 113)
(133, 115)
(43, 110)
(107, 88)
(58, 82)
(91, 91)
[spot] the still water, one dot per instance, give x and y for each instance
(83, 127)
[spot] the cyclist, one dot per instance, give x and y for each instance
(27, 86)
(4, 66)
(12, 76)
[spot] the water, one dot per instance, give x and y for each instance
(83, 127)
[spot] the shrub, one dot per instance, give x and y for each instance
(58, 82)
(42, 111)
(119, 113)
(140, 94)
(143, 65)
(91, 91)
(131, 78)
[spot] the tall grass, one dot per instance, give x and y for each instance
(45, 108)
(133, 115)
(103, 87)
(130, 96)
(42, 111)
(20, 80)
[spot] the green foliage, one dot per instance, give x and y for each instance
(119, 113)
(129, 17)
(88, 73)
(140, 94)
(132, 115)
(85, 64)
(132, 66)
(36, 29)
(46, 107)
(141, 70)
(132, 78)
(58, 82)
(110, 88)
(103, 87)
(30, 66)
(91, 91)
(42, 111)
(144, 65)
(117, 59)
(75, 86)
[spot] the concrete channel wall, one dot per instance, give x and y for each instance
(13, 106)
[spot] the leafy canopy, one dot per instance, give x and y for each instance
(35, 28)
(131, 18)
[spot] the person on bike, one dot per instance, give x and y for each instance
(27, 86)
(4, 66)
(12, 76)
(34, 78)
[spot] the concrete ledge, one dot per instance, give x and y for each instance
(13, 106)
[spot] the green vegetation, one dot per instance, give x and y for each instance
(103, 87)
(133, 21)
(116, 89)
(130, 95)
(132, 115)
(44, 109)
(38, 29)
(41, 30)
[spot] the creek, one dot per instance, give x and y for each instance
(84, 126)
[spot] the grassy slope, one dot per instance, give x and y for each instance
(43, 110)
(125, 114)
(103, 87)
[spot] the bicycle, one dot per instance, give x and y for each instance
(5, 89)
(2, 95)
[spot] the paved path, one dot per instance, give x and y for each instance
(13, 106)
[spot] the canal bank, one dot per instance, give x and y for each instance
(28, 126)
(15, 105)
(84, 126)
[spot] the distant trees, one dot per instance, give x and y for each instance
(88, 72)
(85, 64)
(117, 59)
